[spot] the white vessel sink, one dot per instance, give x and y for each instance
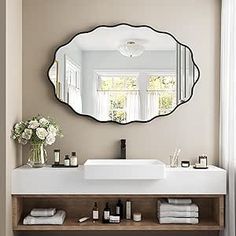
(118, 169)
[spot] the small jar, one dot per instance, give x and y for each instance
(137, 216)
(74, 159)
(67, 160)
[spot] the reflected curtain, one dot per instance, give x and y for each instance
(185, 73)
(228, 109)
(103, 105)
(133, 106)
(74, 98)
(152, 105)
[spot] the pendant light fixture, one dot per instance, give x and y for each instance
(131, 49)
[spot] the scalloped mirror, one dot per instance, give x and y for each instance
(123, 73)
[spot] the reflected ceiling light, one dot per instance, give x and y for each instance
(131, 49)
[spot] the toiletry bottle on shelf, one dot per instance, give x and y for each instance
(106, 214)
(67, 160)
(56, 157)
(128, 210)
(95, 212)
(119, 209)
(74, 159)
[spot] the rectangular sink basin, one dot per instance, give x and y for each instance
(119, 169)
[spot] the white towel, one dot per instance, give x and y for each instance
(173, 220)
(183, 214)
(57, 219)
(43, 212)
(164, 206)
(177, 201)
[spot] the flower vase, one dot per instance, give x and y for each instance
(37, 156)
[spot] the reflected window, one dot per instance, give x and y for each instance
(72, 85)
(118, 97)
(161, 94)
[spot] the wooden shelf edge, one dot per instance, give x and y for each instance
(123, 226)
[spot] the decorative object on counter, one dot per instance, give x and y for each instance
(185, 164)
(67, 160)
(73, 159)
(57, 219)
(128, 210)
(203, 160)
(114, 219)
(176, 212)
(137, 216)
(106, 213)
(119, 209)
(39, 132)
(174, 159)
(83, 219)
(95, 213)
(43, 212)
(56, 157)
(199, 166)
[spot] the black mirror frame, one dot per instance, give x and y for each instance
(136, 26)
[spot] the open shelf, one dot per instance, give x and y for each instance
(77, 206)
(72, 224)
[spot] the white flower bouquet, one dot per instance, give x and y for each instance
(39, 132)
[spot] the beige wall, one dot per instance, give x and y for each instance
(193, 127)
(10, 102)
(2, 116)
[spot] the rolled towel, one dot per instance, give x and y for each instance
(57, 219)
(173, 220)
(180, 214)
(177, 201)
(43, 212)
(164, 206)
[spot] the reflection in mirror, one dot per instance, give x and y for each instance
(123, 73)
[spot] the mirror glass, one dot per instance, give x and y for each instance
(123, 73)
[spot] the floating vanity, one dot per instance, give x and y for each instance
(69, 189)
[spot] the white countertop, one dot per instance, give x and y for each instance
(48, 180)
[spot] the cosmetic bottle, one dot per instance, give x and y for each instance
(67, 160)
(56, 157)
(106, 214)
(74, 159)
(128, 210)
(119, 209)
(95, 212)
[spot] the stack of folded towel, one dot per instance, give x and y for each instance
(45, 216)
(177, 211)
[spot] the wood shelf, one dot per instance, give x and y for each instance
(211, 210)
(71, 224)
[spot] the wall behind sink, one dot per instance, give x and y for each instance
(192, 127)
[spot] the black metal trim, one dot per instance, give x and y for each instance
(136, 26)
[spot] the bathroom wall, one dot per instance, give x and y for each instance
(10, 102)
(193, 127)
